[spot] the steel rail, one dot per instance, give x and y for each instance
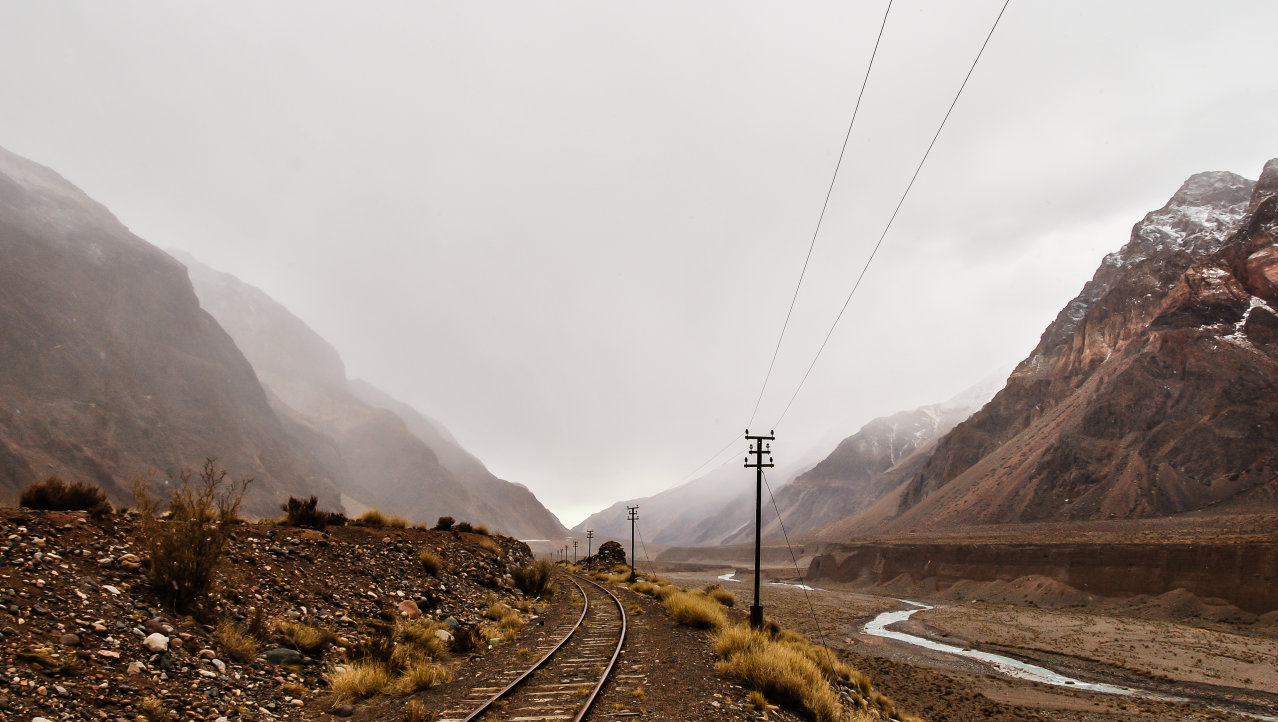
(492, 700)
(611, 662)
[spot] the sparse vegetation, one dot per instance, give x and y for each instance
(53, 494)
(235, 643)
(375, 519)
(535, 579)
(464, 527)
(721, 595)
(152, 709)
(445, 523)
(305, 638)
(186, 547)
(358, 680)
(307, 514)
(431, 562)
(481, 529)
(422, 674)
(415, 711)
(489, 545)
(694, 609)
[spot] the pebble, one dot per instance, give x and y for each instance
(408, 608)
(156, 642)
(135, 668)
(207, 654)
(69, 640)
(343, 710)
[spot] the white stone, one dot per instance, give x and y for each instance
(156, 642)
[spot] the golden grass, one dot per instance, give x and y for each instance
(430, 561)
(422, 674)
(489, 545)
(664, 592)
(234, 642)
(372, 518)
(778, 670)
(643, 587)
(359, 680)
(151, 709)
(721, 595)
(415, 711)
(694, 610)
(419, 635)
(305, 638)
(397, 522)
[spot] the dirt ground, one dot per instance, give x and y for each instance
(1221, 671)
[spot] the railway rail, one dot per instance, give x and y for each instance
(564, 682)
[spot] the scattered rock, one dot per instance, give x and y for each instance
(408, 608)
(156, 642)
(69, 640)
(283, 655)
(342, 710)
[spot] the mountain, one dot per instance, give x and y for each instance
(385, 453)
(110, 369)
(718, 508)
(1153, 393)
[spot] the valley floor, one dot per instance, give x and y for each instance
(1221, 671)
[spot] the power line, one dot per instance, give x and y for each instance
(895, 211)
(821, 217)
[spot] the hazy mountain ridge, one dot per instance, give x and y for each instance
(109, 367)
(386, 453)
(1152, 392)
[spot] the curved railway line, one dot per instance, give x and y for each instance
(565, 680)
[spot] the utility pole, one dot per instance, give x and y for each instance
(574, 552)
(590, 534)
(633, 512)
(759, 449)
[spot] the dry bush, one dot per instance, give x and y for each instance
(445, 523)
(53, 494)
(372, 518)
(307, 514)
(481, 529)
(186, 547)
(358, 680)
(234, 642)
(643, 588)
(535, 579)
(508, 619)
(419, 636)
(415, 711)
(778, 670)
(305, 638)
(721, 595)
(489, 545)
(431, 562)
(695, 610)
(464, 527)
(397, 522)
(665, 592)
(422, 674)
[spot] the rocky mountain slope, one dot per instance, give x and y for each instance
(385, 453)
(1152, 393)
(109, 368)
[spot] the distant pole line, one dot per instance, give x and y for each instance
(821, 217)
(892, 219)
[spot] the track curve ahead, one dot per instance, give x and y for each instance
(564, 682)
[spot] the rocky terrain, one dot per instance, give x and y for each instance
(83, 635)
(384, 453)
(110, 369)
(1152, 393)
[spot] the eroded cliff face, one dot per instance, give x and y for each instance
(1153, 392)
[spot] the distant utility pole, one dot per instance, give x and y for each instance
(574, 551)
(633, 512)
(759, 449)
(590, 534)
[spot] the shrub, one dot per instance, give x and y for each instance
(720, 595)
(53, 494)
(778, 670)
(372, 518)
(305, 638)
(415, 711)
(397, 522)
(422, 674)
(359, 680)
(695, 610)
(431, 562)
(186, 547)
(534, 579)
(464, 527)
(487, 544)
(481, 529)
(445, 523)
(643, 588)
(234, 642)
(306, 514)
(418, 637)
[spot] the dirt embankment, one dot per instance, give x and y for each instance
(1244, 575)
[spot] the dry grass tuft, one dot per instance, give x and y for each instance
(489, 545)
(419, 635)
(643, 588)
(431, 562)
(305, 638)
(422, 674)
(235, 643)
(535, 579)
(721, 595)
(776, 669)
(415, 711)
(664, 592)
(695, 610)
(397, 522)
(373, 518)
(152, 709)
(361, 679)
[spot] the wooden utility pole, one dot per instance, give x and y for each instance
(574, 552)
(759, 449)
(633, 512)
(590, 534)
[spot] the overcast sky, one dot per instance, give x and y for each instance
(570, 231)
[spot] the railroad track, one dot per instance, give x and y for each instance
(565, 680)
